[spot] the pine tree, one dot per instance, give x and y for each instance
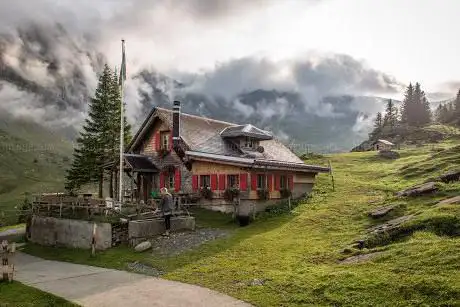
(407, 105)
(378, 123)
(390, 115)
(457, 106)
(98, 143)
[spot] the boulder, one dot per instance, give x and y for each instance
(389, 154)
(449, 201)
(390, 225)
(450, 176)
(381, 211)
(142, 247)
(425, 188)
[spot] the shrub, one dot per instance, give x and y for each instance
(263, 194)
(231, 193)
(285, 193)
(206, 193)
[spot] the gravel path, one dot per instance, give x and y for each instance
(180, 242)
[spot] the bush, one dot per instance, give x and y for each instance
(285, 193)
(263, 194)
(206, 193)
(231, 193)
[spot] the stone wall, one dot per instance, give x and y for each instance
(52, 231)
(139, 231)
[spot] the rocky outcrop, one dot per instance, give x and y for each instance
(449, 201)
(382, 211)
(450, 176)
(389, 154)
(425, 188)
(390, 226)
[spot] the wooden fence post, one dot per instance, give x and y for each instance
(331, 174)
(7, 268)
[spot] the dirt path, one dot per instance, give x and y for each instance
(92, 286)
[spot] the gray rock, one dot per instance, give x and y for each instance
(144, 269)
(381, 211)
(360, 258)
(257, 282)
(425, 188)
(449, 201)
(142, 247)
(390, 225)
(389, 154)
(450, 176)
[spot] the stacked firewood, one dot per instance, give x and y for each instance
(7, 252)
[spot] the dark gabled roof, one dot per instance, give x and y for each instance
(246, 130)
(203, 135)
(140, 163)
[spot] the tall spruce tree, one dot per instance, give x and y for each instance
(407, 105)
(457, 106)
(391, 114)
(98, 143)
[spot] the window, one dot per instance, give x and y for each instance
(249, 143)
(205, 181)
(283, 182)
(169, 181)
(164, 138)
(232, 181)
(260, 182)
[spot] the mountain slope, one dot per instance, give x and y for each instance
(32, 159)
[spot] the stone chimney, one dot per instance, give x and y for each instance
(176, 123)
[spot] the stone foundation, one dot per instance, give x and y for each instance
(139, 231)
(50, 231)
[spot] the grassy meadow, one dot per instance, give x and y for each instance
(297, 255)
(16, 294)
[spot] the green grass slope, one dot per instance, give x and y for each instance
(298, 255)
(32, 159)
(17, 294)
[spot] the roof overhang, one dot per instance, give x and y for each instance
(255, 164)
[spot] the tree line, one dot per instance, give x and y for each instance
(449, 112)
(99, 140)
(414, 112)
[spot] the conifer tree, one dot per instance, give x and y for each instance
(457, 105)
(98, 143)
(407, 104)
(378, 123)
(390, 115)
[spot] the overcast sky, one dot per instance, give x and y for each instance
(412, 40)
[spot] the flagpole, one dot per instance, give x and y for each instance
(122, 126)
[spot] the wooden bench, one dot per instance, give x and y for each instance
(7, 252)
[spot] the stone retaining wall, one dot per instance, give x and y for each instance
(139, 231)
(52, 231)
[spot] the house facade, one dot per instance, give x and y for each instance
(383, 145)
(192, 155)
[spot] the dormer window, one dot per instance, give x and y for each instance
(250, 143)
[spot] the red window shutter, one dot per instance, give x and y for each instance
(270, 182)
(277, 182)
(157, 141)
(177, 180)
(195, 182)
(254, 182)
(291, 182)
(222, 182)
(170, 141)
(162, 180)
(243, 182)
(214, 182)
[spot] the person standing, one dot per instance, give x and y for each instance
(166, 207)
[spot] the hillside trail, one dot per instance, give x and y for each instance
(94, 286)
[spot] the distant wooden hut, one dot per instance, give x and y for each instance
(382, 145)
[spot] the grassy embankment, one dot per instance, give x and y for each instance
(17, 294)
(298, 254)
